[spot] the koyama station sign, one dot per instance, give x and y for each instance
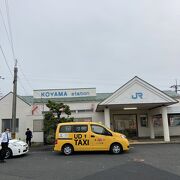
(64, 93)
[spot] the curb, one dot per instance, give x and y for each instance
(157, 142)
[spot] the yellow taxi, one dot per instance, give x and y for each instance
(88, 136)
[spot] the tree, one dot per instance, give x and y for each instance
(53, 117)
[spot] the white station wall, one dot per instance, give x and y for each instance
(23, 110)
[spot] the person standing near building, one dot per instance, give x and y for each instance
(28, 136)
(5, 137)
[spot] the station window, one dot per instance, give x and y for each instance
(157, 121)
(174, 120)
(81, 111)
(144, 120)
(85, 110)
(38, 125)
(7, 123)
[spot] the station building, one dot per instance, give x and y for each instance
(136, 109)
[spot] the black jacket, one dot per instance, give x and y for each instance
(28, 134)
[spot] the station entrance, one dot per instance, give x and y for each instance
(126, 124)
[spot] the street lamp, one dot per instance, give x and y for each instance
(2, 78)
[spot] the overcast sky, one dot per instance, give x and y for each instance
(91, 43)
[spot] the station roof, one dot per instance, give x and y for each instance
(98, 98)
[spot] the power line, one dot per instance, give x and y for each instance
(6, 60)
(10, 69)
(5, 27)
(10, 29)
(20, 82)
(10, 38)
(24, 76)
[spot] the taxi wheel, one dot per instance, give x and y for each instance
(116, 148)
(67, 149)
(8, 153)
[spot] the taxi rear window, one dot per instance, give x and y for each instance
(80, 128)
(73, 128)
(66, 129)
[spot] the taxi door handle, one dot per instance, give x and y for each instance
(92, 136)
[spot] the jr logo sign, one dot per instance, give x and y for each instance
(137, 95)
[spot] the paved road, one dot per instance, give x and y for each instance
(143, 162)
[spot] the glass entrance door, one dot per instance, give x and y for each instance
(126, 124)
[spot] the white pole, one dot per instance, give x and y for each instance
(165, 124)
(107, 117)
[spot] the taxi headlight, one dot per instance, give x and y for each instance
(122, 136)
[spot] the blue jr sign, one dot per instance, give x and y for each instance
(137, 95)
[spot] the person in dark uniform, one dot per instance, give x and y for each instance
(4, 144)
(28, 136)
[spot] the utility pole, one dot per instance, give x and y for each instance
(176, 86)
(14, 101)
